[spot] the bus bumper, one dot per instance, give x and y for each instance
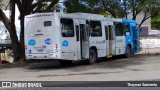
(43, 56)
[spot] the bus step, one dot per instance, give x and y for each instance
(109, 56)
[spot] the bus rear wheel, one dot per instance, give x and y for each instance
(128, 52)
(65, 62)
(92, 56)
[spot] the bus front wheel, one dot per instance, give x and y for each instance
(128, 52)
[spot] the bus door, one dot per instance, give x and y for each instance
(107, 40)
(111, 45)
(135, 37)
(77, 27)
(84, 40)
(68, 39)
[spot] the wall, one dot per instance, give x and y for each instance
(150, 42)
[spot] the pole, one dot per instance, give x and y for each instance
(0, 59)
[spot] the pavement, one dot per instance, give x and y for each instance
(141, 66)
(146, 51)
(138, 67)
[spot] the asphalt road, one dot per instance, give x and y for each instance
(139, 67)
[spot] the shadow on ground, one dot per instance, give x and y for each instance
(112, 63)
(115, 62)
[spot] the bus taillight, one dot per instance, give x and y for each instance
(25, 46)
(56, 45)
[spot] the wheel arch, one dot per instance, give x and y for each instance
(94, 48)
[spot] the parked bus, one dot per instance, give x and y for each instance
(78, 36)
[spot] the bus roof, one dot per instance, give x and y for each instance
(69, 15)
(84, 16)
(128, 21)
(117, 20)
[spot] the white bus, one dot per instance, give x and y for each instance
(72, 37)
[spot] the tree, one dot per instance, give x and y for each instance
(25, 7)
(155, 23)
(10, 26)
(117, 8)
(150, 8)
(94, 6)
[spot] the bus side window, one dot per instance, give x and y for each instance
(77, 32)
(126, 30)
(118, 28)
(106, 32)
(67, 27)
(95, 28)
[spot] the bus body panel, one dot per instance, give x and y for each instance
(68, 40)
(41, 32)
(99, 42)
(120, 45)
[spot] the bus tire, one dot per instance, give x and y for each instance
(92, 56)
(65, 62)
(128, 52)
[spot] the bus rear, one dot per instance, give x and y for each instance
(42, 36)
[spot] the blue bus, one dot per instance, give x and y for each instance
(128, 29)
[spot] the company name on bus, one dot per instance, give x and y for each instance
(100, 42)
(119, 40)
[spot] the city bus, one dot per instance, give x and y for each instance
(78, 36)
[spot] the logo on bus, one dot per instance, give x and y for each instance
(119, 40)
(48, 41)
(44, 46)
(65, 43)
(32, 42)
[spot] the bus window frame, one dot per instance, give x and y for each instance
(93, 29)
(72, 26)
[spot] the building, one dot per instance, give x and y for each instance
(145, 27)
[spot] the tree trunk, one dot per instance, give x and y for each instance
(22, 31)
(12, 31)
(26, 9)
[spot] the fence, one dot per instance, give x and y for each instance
(150, 43)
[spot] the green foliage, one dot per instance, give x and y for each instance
(107, 14)
(116, 8)
(94, 6)
(155, 23)
(46, 6)
(1, 4)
